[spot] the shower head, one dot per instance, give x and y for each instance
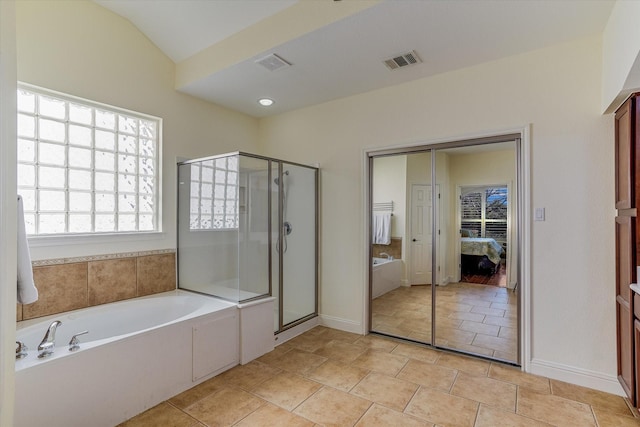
(277, 180)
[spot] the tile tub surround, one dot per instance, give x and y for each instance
(69, 284)
(355, 380)
(394, 249)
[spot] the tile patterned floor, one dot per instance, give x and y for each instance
(476, 318)
(327, 377)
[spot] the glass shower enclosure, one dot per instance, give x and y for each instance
(248, 229)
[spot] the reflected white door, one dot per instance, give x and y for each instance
(421, 234)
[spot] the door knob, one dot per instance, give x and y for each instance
(414, 240)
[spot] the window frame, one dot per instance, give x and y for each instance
(483, 220)
(51, 239)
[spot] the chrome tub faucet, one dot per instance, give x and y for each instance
(48, 344)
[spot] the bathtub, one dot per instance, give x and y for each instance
(137, 353)
(386, 275)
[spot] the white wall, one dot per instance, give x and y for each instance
(7, 209)
(389, 185)
(82, 49)
(557, 91)
(621, 54)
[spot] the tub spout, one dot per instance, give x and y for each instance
(48, 343)
(389, 257)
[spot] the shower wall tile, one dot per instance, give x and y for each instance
(156, 273)
(111, 280)
(60, 287)
(18, 312)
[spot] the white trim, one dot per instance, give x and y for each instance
(573, 375)
(93, 239)
(8, 209)
(342, 324)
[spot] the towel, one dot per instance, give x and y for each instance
(382, 229)
(27, 292)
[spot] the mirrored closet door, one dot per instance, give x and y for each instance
(444, 246)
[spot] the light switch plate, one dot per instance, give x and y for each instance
(539, 214)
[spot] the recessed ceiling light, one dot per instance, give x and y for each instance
(265, 102)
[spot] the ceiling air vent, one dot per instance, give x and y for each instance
(273, 62)
(403, 60)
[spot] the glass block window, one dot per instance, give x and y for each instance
(214, 194)
(484, 211)
(85, 167)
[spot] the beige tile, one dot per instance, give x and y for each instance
(331, 407)
(466, 364)
(506, 356)
(286, 390)
(461, 315)
(508, 333)
(428, 374)
(298, 361)
(274, 355)
(488, 311)
(595, 398)
(495, 417)
(111, 280)
(413, 314)
(18, 312)
(338, 375)
(194, 394)
(61, 288)
(308, 343)
(553, 409)
(454, 335)
(516, 376)
(156, 273)
(472, 349)
(249, 376)
(442, 409)
(611, 419)
(337, 335)
(341, 350)
(379, 416)
(224, 407)
(480, 328)
(270, 415)
(373, 342)
(391, 392)
(495, 343)
(472, 387)
(161, 415)
(385, 363)
(416, 352)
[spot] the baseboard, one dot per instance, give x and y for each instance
(341, 324)
(578, 376)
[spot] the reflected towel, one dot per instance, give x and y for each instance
(27, 292)
(382, 229)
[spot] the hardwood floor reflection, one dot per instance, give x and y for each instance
(471, 317)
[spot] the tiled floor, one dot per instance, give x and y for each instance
(480, 319)
(327, 377)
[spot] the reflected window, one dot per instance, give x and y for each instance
(484, 212)
(214, 194)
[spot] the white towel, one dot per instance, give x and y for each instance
(382, 229)
(27, 292)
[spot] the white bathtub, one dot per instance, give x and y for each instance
(137, 353)
(386, 276)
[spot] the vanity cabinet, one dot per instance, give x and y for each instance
(627, 191)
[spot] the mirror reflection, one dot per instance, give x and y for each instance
(459, 233)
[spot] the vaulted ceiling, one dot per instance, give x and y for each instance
(338, 48)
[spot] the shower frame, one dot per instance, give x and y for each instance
(281, 233)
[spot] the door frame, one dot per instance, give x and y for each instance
(522, 220)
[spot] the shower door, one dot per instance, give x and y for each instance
(296, 243)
